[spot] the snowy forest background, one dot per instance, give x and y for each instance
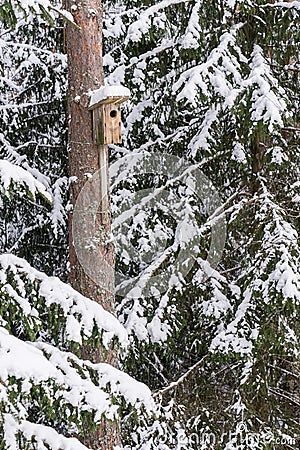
(209, 353)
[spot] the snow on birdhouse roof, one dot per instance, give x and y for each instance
(109, 94)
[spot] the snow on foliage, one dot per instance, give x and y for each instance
(223, 80)
(193, 29)
(268, 99)
(218, 87)
(81, 314)
(219, 74)
(292, 4)
(11, 174)
(32, 89)
(46, 391)
(44, 437)
(138, 28)
(46, 8)
(38, 363)
(47, 311)
(58, 213)
(68, 385)
(275, 270)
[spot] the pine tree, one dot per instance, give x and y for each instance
(215, 96)
(49, 397)
(85, 74)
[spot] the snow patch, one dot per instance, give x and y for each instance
(11, 173)
(104, 92)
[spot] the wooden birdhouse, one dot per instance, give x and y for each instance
(106, 113)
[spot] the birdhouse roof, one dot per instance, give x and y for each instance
(109, 94)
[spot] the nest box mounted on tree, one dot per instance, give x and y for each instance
(106, 112)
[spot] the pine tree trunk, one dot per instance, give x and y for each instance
(85, 72)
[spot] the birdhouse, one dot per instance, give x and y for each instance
(106, 113)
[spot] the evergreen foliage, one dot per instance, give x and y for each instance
(49, 397)
(215, 84)
(33, 133)
(211, 133)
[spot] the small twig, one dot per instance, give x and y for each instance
(181, 379)
(291, 128)
(285, 371)
(286, 397)
(24, 232)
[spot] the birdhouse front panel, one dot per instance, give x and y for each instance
(107, 124)
(112, 124)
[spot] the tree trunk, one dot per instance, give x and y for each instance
(85, 73)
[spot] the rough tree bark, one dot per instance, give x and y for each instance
(85, 73)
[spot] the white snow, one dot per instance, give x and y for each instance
(141, 26)
(105, 92)
(21, 360)
(202, 140)
(278, 155)
(84, 390)
(84, 312)
(218, 304)
(238, 153)
(193, 30)
(291, 4)
(278, 243)
(268, 98)
(49, 6)
(67, 378)
(46, 437)
(58, 213)
(212, 75)
(11, 173)
(158, 329)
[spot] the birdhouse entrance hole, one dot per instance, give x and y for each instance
(113, 113)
